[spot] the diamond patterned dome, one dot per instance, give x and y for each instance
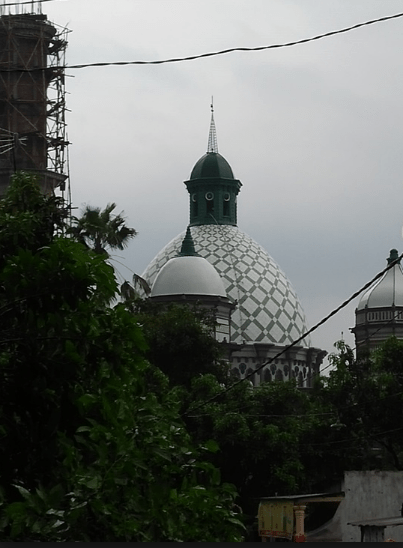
(268, 309)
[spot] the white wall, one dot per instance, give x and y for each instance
(369, 495)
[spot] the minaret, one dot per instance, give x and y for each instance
(379, 314)
(212, 187)
(32, 98)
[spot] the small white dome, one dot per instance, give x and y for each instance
(386, 292)
(188, 275)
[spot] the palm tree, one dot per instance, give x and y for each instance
(100, 229)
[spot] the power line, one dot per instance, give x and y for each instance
(215, 53)
(27, 2)
(231, 50)
(375, 436)
(284, 416)
(303, 336)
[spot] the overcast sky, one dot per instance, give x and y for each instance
(313, 131)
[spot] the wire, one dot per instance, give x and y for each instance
(284, 416)
(303, 336)
(231, 50)
(336, 411)
(215, 53)
(368, 436)
(27, 2)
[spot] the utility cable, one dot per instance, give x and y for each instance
(26, 2)
(336, 412)
(215, 53)
(367, 436)
(303, 336)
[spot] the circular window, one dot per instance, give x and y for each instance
(194, 197)
(227, 196)
(209, 196)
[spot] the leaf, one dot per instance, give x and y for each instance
(15, 509)
(53, 512)
(163, 454)
(84, 429)
(93, 483)
(211, 446)
(26, 494)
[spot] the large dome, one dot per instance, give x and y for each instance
(268, 309)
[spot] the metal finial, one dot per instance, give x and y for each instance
(394, 255)
(212, 138)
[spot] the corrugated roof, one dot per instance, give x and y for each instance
(310, 496)
(379, 522)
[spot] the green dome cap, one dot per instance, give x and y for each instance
(212, 166)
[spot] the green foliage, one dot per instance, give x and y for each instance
(100, 229)
(367, 394)
(28, 220)
(89, 452)
(180, 342)
(263, 435)
(270, 439)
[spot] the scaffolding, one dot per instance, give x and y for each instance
(32, 97)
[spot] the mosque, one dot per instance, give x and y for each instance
(213, 262)
(258, 313)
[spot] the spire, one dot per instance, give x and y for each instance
(212, 138)
(188, 247)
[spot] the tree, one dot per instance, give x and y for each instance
(88, 452)
(180, 341)
(269, 438)
(367, 394)
(99, 229)
(264, 437)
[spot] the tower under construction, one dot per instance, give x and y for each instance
(32, 96)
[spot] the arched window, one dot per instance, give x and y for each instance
(210, 206)
(267, 375)
(226, 202)
(252, 378)
(209, 202)
(279, 375)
